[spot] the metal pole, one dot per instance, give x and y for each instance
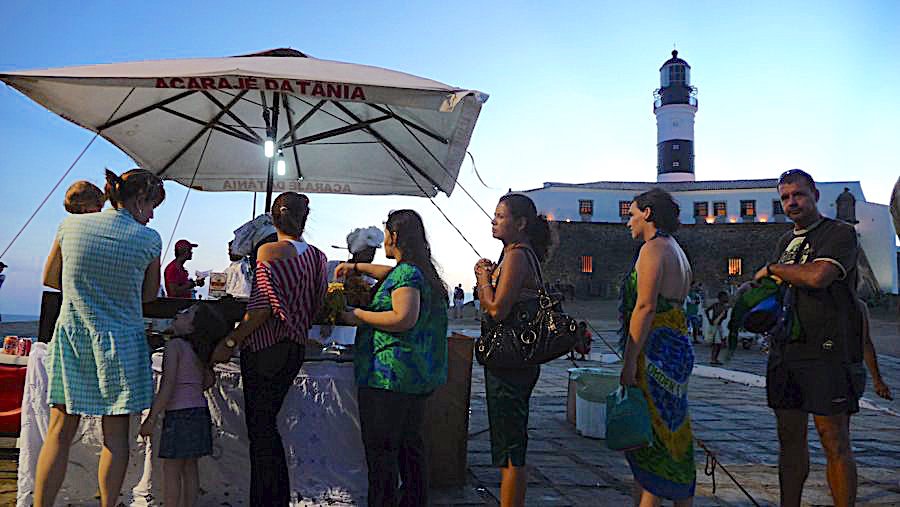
(254, 207)
(269, 185)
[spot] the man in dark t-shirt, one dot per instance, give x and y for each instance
(811, 367)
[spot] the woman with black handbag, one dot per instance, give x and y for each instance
(526, 237)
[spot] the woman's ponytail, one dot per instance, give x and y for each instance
(113, 189)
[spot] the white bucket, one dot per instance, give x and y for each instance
(590, 418)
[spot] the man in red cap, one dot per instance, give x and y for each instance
(178, 283)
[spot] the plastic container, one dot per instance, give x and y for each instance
(591, 387)
(574, 373)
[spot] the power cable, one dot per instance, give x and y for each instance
(63, 177)
(441, 164)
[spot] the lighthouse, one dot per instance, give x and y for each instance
(675, 105)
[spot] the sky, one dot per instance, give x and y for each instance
(781, 85)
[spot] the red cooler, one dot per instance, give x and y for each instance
(12, 386)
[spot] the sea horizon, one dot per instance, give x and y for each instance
(18, 317)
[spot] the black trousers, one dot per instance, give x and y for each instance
(392, 434)
(267, 375)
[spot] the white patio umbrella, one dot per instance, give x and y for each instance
(334, 127)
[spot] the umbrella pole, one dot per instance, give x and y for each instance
(269, 186)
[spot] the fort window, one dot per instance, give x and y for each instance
(587, 264)
(585, 207)
(720, 209)
(748, 208)
(776, 207)
(701, 208)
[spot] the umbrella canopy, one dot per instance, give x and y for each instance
(338, 127)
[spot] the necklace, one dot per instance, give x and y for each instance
(659, 234)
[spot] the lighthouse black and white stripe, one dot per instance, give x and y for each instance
(675, 107)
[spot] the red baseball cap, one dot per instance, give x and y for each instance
(183, 244)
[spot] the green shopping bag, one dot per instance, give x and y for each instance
(627, 420)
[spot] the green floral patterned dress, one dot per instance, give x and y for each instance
(414, 361)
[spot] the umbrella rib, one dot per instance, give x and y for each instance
(387, 143)
(353, 127)
(410, 123)
(220, 127)
(292, 128)
(442, 166)
(200, 134)
(336, 117)
(143, 110)
(303, 120)
(233, 116)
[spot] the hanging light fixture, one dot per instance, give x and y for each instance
(269, 148)
(280, 166)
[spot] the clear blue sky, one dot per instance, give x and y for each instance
(781, 85)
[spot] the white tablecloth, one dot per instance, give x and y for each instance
(319, 424)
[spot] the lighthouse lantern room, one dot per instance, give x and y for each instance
(675, 107)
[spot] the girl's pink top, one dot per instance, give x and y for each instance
(188, 379)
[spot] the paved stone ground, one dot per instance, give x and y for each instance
(732, 419)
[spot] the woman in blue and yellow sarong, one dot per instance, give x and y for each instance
(659, 356)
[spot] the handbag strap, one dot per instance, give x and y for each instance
(535, 266)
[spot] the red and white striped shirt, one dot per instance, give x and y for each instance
(294, 289)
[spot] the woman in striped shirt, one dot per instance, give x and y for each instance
(288, 290)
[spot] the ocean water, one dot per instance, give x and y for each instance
(16, 317)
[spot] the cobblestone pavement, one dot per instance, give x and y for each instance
(730, 418)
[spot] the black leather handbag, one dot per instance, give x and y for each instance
(536, 331)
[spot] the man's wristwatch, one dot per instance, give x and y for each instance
(230, 343)
(769, 269)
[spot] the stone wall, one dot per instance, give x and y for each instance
(708, 246)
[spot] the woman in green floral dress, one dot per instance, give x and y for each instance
(400, 357)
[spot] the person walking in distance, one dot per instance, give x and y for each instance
(716, 314)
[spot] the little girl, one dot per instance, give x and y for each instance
(187, 426)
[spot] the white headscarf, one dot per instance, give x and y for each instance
(360, 239)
